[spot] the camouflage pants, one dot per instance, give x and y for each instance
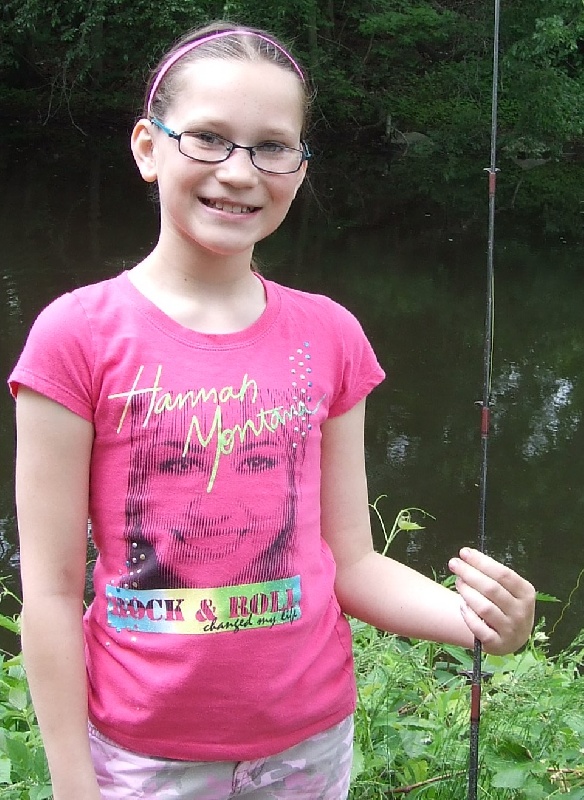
(316, 769)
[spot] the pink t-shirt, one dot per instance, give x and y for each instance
(215, 633)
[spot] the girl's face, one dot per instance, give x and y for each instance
(230, 507)
(224, 208)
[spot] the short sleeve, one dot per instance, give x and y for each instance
(360, 371)
(57, 358)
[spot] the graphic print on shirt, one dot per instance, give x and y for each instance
(212, 489)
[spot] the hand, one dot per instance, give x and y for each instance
(499, 604)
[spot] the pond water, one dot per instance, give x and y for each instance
(419, 290)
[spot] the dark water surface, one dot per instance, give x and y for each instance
(419, 291)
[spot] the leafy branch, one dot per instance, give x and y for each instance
(402, 522)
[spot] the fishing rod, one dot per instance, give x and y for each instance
(485, 405)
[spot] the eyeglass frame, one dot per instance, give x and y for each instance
(304, 151)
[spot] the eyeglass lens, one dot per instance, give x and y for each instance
(271, 156)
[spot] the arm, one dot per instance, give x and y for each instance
(492, 602)
(52, 484)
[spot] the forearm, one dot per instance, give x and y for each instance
(395, 598)
(54, 659)
(52, 488)
(491, 601)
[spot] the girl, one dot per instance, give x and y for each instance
(210, 424)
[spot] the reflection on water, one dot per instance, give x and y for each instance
(71, 220)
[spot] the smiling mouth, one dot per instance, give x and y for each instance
(230, 208)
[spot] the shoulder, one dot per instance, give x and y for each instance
(336, 339)
(101, 295)
(76, 304)
(58, 357)
(318, 306)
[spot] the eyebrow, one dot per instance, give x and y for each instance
(270, 444)
(178, 444)
(207, 123)
(196, 448)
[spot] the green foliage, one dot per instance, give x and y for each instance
(24, 773)
(385, 69)
(402, 522)
(413, 714)
(412, 721)
(370, 59)
(410, 25)
(543, 71)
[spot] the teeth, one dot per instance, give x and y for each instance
(231, 209)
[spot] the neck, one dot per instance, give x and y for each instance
(217, 294)
(187, 265)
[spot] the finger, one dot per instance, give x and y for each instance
(482, 607)
(505, 576)
(483, 583)
(489, 638)
(499, 631)
(499, 605)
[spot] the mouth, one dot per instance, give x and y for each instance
(215, 546)
(229, 208)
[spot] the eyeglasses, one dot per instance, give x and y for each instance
(210, 148)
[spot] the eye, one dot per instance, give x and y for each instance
(273, 148)
(257, 463)
(207, 140)
(172, 466)
(180, 465)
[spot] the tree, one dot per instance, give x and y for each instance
(390, 73)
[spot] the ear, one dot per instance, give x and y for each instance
(300, 175)
(143, 150)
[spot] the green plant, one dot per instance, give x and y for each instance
(411, 722)
(24, 773)
(412, 719)
(403, 521)
(413, 714)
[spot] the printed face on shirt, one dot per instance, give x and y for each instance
(190, 507)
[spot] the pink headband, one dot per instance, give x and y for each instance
(220, 34)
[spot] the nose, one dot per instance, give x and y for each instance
(214, 505)
(237, 168)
